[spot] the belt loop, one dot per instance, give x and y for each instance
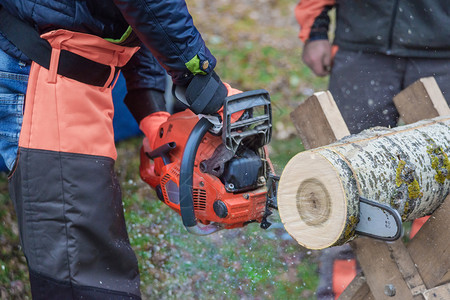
(110, 78)
(54, 58)
(115, 79)
(112, 65)
(54, 62)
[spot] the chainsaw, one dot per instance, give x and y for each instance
(215, 170)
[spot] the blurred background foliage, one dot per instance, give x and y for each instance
(256, 45)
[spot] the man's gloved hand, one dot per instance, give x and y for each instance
(150, 126)
(205, 94)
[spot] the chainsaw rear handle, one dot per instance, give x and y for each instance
(162, 152)
(186, 181)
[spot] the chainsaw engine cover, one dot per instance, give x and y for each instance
(243, 173)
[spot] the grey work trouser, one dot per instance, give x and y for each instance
(364, 84)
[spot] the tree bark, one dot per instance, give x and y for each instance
(406, 168)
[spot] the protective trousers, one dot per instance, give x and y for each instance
(66, 196)
(364, 84)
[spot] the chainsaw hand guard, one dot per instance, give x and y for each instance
(256, 129)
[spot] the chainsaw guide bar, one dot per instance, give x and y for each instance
(378, 221)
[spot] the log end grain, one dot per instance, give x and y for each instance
(312, 201)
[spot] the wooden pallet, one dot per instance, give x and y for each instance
(420, 269)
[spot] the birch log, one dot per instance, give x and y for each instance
(406, 167)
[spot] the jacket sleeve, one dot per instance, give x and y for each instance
(167, 29)
(146, 81)
(312, 16)
(143, 71)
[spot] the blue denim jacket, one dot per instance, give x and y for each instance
(13, 85)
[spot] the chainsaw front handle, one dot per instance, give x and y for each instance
(186, 181)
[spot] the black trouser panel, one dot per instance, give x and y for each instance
(71, 222)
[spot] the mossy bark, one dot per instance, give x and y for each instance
(406, 168)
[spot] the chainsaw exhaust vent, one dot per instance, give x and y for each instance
(175, 171)
(199, 197)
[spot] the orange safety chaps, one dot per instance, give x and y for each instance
(66, 194)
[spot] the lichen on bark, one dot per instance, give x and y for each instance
(350, 228)
(408, 189)
(440, 163)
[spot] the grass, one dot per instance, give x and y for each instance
(247, 263)
(13, 270)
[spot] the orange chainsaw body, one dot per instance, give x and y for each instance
(241, 207)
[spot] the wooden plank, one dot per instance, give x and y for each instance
(421, 100)
(381, 269)
(438, 293)
(407, 268)
(430, 247)
(318, 121)
(357, 289)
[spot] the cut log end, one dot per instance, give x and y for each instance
(313, 202)
(313, 209)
